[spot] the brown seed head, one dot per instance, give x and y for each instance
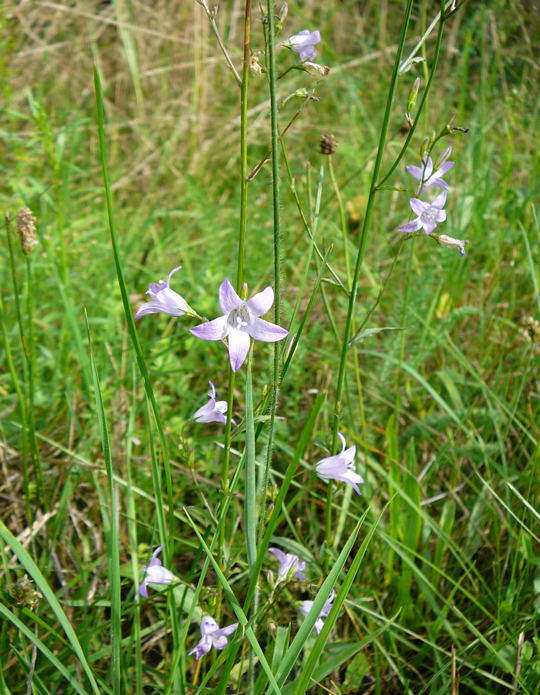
(327, 144)
(26, 227)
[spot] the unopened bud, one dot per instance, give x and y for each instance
(443, 158)
(26, 228)
(413, 94)
(453, 243)
(315, 68)
(328, 144)
(424, 149)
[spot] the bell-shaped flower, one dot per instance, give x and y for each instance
(449, 241)
(164, 300)
(289, 565)
(304, 44)
(155, 573)
(305, 607)
(429, 214)
(212, 636)
(213, 411)
(239, 322)
(340, 467)
(428, 177)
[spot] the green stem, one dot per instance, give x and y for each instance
(362, 246)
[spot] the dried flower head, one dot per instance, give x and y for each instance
(327, 143)
(255, 67)
(26, 228)
(450, 242)
(316, 69)
(24, 593)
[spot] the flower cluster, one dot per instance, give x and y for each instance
(429, 214)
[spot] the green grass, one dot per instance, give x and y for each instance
(439, 590)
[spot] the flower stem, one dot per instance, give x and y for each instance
(360, 255)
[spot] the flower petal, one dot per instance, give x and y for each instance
(415, 171)
(440, 183)
(279, 554)
(238, 347)
(261, 302)
(211, 330)
(173, 271)
(208, 625)
(229, 629)
(150, 308)
(440, 200)
(142, 589)
(228, 299)
(413, 226)
(443, 169)
(265, 331)
(418, 206)
(428, 227)
(428, 168)
(342, 440)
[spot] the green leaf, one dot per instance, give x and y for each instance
(367, 332)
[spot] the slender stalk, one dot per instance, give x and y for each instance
(242, 233)
(362, 246)
(272, 79)
(211, 19)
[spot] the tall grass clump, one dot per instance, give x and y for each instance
(306, 460)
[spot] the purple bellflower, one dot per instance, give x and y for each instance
(428, 177)
(164, 300)
(155, 573)
(304, 44)
(212, 636)
(305, 607)
(340, 467)
(289, 565)
(239, 322)
(213, 411)
(429, 214)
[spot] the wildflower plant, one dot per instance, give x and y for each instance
(252, 456)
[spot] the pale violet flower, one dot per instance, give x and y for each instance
(212, 636)
(164, 300)
(304, 44)
(155, 573)
(305, 607)
(213, 411)
(239, 322)
(429, 214)
(449, 241)
(340, 467)
(289, 565)
(428, 177)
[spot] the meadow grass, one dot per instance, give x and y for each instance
(140, 145)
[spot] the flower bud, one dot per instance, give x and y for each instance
(453, 243)
(413, 94)
(444, 156)
(316, 69)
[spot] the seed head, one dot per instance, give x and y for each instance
(26, 228)
(327, 144)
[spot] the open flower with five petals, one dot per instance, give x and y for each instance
(289, 565)
(428, 177)
(340, 467)
(429, 214)
(164, 300)
(240, 322)
(212, 636)
(155, 573)
(305, 607)
(304, 44)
